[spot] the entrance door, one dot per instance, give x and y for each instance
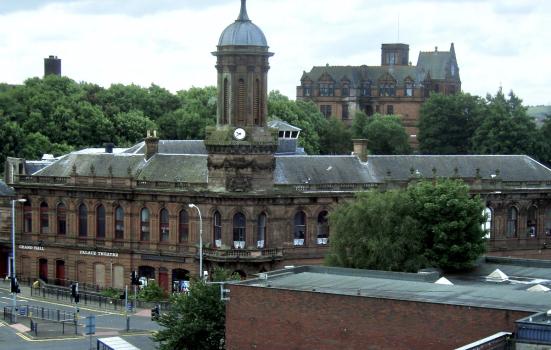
(60, 272)
(163, 279)
(43, 269)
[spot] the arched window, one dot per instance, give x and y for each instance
(82, 220)
(144, 224)
(217, 229)
(61, 219)
(163, 225)
(487, 226)
(226, 102)
(323, 228)
(183, 226)
(239, 231)
(100, 221)
(532, 222)
(44, 219)
(547, 222)
(512, 218)
(299, 232)
(27, 216)
(261, 231)
(119, 223)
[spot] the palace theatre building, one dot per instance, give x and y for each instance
(94, 215)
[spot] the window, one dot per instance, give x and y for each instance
(217, 229)
(183, 226)
(241, 102)
(512, 214)
(27, 216)
(299, 229)
(387, 89)
(144, 224)
(163, 225)
(345, 114)
(256, 111)
(408, 90)
(391, 58)
(532, 222)
(100, 222)
(61, 219)
(547, 223)
(119, 223)
(326, 110)
(345, 91)
(389, 109)
(239, 230)
(452, 69)
(226, 102)
(323, 228)
(44, 220)
(82, 220)
(307, 90)
(261, 231)
(487, 226)
(327, 89)
(366, 88)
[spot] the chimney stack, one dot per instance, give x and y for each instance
(151, 144)
(360, 149)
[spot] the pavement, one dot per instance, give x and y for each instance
(108, 323)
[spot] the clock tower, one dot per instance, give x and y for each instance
(241, 147)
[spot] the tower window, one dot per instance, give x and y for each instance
(257, 102)
(226, 102)
(241, 101)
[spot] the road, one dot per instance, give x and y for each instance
(107, 324)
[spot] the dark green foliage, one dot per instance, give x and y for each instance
(433, 224)
(152, 292)
(196, 320)
(385, 133)
(448, 122)
(335, 138)
(544, 141)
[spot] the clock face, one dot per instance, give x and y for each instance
(239, 134)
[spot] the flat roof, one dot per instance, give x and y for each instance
(420, 287)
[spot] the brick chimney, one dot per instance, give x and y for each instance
(151, 144)
(360, 149)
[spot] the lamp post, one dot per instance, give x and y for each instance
(21, 200)
(191, 205)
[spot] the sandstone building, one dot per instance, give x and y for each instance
(94, 215)
(394, 87)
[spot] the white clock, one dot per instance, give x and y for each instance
(239, 134)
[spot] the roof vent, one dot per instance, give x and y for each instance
(444, 281)
(497, 276)
(538, 288)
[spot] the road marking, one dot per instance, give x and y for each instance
(26, 338)
(6, 298)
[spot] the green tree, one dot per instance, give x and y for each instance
(448, 122)
(376, 231)
(131, 127)
(451, 221)
(335, 138)
(196, 319)
(359, 124)
(544, 141)
(386, 135)
(506, 128)
(433, 224)
(152, 292)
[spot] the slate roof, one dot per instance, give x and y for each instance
(282, 125)
(175, 168)
(242, 32)
(173, 147)
(510, 167)
(321, 170)
(5, 190)
(389, 285)
(434, 62)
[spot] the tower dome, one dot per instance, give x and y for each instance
(242, 32)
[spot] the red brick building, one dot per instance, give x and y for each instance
(394, 87)
(331, 308)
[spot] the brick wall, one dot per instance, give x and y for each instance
(263, 318)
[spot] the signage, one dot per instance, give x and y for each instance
(90, 325)
(96, 253)
(30, 247)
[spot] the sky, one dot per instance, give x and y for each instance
(169, 42)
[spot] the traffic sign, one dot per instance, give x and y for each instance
(90, 325)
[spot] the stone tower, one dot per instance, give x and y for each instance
(241, 147)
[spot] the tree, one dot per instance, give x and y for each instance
(131, 127)
(451, 221)
(448, 122)
(152, 292)
(506, 128)
(196, 319)
(544, 141)
(386, 135)
(376, 231)
(335, 138)
(359, 124)
(433, 223)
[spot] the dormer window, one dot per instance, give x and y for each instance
(327, 89)
(307, 90)
(366, 89)
(387, 89)
(408, 89)
(345, 90)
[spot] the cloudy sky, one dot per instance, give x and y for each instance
(168, 42)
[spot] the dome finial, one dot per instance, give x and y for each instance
(243, 13)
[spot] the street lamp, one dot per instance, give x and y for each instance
(191, 205)
(21, 200)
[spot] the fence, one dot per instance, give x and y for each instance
(53, 321)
